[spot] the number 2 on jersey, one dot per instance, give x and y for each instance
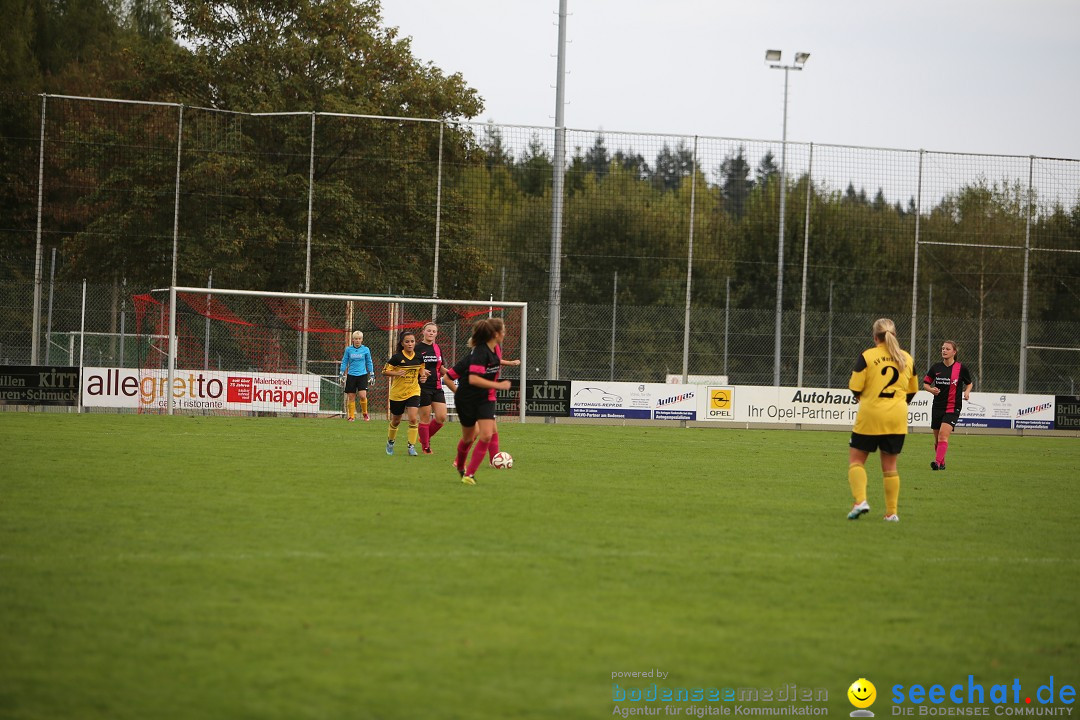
(895, 376)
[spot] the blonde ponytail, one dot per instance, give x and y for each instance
(885, 331)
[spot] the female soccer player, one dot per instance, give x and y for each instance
(944, 381)
(355, 370)
(406, 367)
(432, 396)
(883, 381)
(493, 445)
(477, 378)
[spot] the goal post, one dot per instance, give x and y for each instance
(250, 351)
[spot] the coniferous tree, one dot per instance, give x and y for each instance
(736, 183)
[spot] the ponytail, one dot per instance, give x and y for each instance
(885, 331)
(481, 333)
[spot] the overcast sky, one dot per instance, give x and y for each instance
(978, 76)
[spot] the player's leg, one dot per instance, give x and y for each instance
(425, 422)
(891, 475)
(350, 406)
(438, 410)
(859, 448)
(362, 394)
(468, 435)
(485, 428)
(935, 426)
(942, 445)
(397, 409)
(414, 422)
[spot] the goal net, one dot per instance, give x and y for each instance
(240, 352)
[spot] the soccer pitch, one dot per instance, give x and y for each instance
(193, 567)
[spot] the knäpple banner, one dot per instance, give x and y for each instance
(201, 390)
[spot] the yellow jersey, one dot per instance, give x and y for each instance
(408, 385)
(882, 388)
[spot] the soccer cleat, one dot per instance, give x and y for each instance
(858, 510)
(389, 447)
(935, 466)
(426, 451)
(352, 419)
(367, 418)
(892, 518)
(468, 479)
(412, 450)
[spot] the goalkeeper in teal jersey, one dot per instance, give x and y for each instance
(356, 368)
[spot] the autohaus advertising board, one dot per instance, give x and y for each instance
(824, 406)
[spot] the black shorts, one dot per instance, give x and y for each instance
(937, 419)
(397, 407)
(891, 444)
(469, 413)
(428, 396)
(355, 383)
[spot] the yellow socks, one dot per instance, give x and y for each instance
(856, 477)
(414, 433)
(363, 405)
(352, 409)
(391, 434)
(892, 492)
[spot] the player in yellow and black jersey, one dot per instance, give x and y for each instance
(883, 380)
(407, 369)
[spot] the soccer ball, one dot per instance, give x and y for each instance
(502, 461)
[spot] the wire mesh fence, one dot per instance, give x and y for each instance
(655, 230)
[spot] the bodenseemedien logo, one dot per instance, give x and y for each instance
(862, 695)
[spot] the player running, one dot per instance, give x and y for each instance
(432, 395)
(477, 378)
(948, 381)
(406, 367)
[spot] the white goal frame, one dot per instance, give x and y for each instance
(389, 299)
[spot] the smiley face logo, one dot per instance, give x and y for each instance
(862, 693)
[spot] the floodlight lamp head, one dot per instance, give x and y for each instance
(772, 56)
(801, 58)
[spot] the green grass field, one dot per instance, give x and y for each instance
(190, 567)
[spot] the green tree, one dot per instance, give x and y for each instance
(672, 165)
(972, 271)
(767, 169)
(246, 181)
(735, 182)
(597, 159)
(634, 163)
(534, 169)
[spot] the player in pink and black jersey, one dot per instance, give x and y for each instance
(477, 379)
(432, 395)
(950, 382)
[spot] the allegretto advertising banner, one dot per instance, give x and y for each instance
(200, 390)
